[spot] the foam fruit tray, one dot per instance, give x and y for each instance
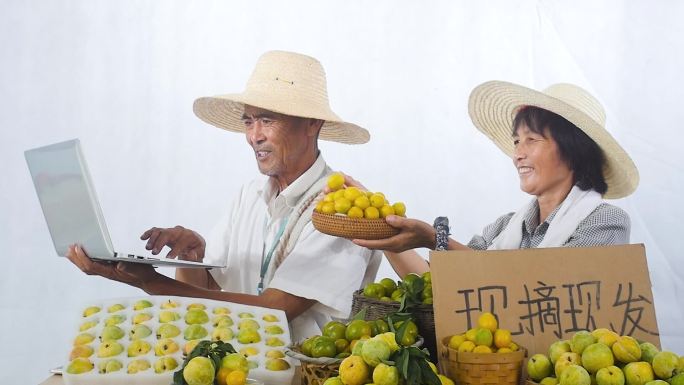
(137, 340)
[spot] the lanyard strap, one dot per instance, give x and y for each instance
(267, 261)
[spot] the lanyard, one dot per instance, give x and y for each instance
(267, 261)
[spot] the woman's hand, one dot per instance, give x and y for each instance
(412, 234)
(134, 274)
(185, 244)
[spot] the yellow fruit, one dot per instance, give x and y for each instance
(488, 321)
(502, 338)
(221, 375)
(236, 377)
(386, 210)
(626, 349)
(351, 193)
(335, 181)
(338, 194)
(355, 212)
(319, 206)
(470, 334)
(466, 346)
(371, 213)
(504, 350)
(354, 371)
(513, 346)
(329, 197)
(399, 209)
(362, 202)
(482, 349)
(328, 208)
(456, 340)
(377, 200)
(342, 205)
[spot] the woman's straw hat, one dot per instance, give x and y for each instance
(288, 83)
(493, 105)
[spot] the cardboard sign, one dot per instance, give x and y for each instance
(544, 295)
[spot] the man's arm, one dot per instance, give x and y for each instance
(197, 277)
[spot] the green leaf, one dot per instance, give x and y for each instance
(361, 314)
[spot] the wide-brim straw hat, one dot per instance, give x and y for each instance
(493, 105)
(284, 82)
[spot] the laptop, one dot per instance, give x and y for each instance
(71, 208)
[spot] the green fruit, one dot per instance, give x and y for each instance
(374, 351)
(235, 361)
(87, 325)
(196, 316)
(138, 348)
(165, 364)
(556, 349)
(307, 345)
(139, 318)
(83, 338)
(111, 333)
(195, 332)
(115, 320)
(167, 330)
(170, 304)
(574, 375)
(597, 356)
(538, 367)
(199, 371)
(374, 290)
(168, 316)
(274, 341)
(245, 315)
(116, 307)
(222, 320)
(389, 285)
(83, 351)
(276, 364)
(385, 375)
(611, 375)
(274, 329)
(334, 330)
(109, 349)
(222, 333)
(136, 366)
(109, 366)
(90, 311)
(324, 346)
(200, 306)
(221, 310)
(638, 373)
(580, 340)
(139, 332)
(79, 365)
(142, 304)
(248, 324)
(648, 351)
(248, 336)
(165, 347)
(664, 364)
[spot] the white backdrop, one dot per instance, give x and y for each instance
(122, 75)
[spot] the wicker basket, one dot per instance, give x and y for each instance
(483, 368)
(314, 371)
(424, 316)
(352, 228)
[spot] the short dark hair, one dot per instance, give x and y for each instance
(582, 155)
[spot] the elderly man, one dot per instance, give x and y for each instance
(274, 256)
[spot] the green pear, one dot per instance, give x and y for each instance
(116, 307)
(252, 364)
(167, 331)
(580, 340)
(196, 316)
(551, 381)
(79, 365)
(109, 366)
(539, 366)
(274, 329)
(168, 316)
(664, 364)
(195, 332)
(111, 333)
(248, 324)
(638, 373)
(575, 375)
(222, 333)
(248, 336)
(597, 356)
(277, 364)
(137, 366)
(245, 315)
(648, 351)
(199, 371)
(87, 325)
(221, 311)
(138, 348)
(611, 375)
(83, 338)
(677, 379)
(90, 310)
(274, 341)
(556, 349)
(139, 318)
(200, 306)
(83, 351)
(234, 361)
(139, 332)
(109, 349)
(565, 360)
(165, 347)
(115, 319)
(270, 318)
(142, 304)
(274, 353)
(165, 364)
(169, 304)
(222, 320)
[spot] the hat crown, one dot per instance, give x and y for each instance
(580, 99)
(296, 78)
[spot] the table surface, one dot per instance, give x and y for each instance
(57, 379)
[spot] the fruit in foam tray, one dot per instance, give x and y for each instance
(138, 332)
(165, 364)
(274, 329)
(83, 338)
(222, 320)
(195, 332)
(141, 304)
(83, 351)
(597, 356)
(234, 361)
(167, 331)
(274, 341)
(199, 371)
(273, 353)
(87, 325)
(248, 336)
(114, 319)
(168, 316)
(222, 333)
(189, 346)
(139, 318)
(276, 364)
(200, 306)
(109, 366)
(109, 349)
(665, 364)
(90, 310)
(139, 365)
(574, 375)
(116, 307)
(270, 318)
(138, 348)
(169, 304)
(249, 351)
(611, 375)
(245, 315)
(165, 347)
(221, 310)
(79, 365)
(248, 324)
(111, 333)
(196, 316)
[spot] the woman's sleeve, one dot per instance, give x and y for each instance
(607, 225)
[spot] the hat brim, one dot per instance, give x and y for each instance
(492, 107)
(225, 111)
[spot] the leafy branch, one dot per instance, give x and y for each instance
(214, 350)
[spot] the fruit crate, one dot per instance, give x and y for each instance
(423, 315)
(125, 308)
(483, 368)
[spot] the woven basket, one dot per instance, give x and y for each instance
(314, 371)
(483, 368)
(352, 228)
(424, 316)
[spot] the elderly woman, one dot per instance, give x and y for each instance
(564, 157)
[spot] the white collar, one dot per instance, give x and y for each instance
(295, 190)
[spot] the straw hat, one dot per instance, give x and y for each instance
(493, 105)
(288, 83)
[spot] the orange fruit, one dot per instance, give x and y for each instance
(488, 321)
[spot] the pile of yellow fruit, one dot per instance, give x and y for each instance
(485, 338)
(356, 203)
(391, 291)
(339, 340)
(603, 357)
